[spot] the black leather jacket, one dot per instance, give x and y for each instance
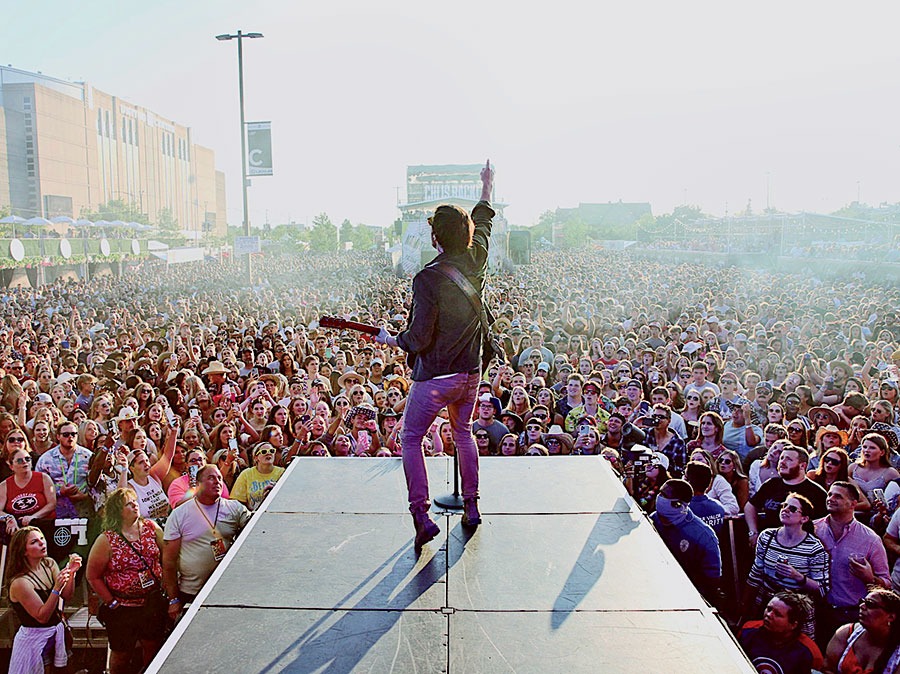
(444, 331)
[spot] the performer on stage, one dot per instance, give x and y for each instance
(444, 342)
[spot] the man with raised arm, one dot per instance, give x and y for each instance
(444, 341)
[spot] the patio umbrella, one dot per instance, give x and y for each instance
(37, 222)
(83, 223)
(102, 223)
(12, 220)
(62, 220)
(117, 223)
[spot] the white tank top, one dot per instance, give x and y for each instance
(152, 500)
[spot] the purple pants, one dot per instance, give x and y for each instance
(426, 399)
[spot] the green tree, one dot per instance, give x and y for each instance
(363, 237)
(166, 220)
(576, 232)
(116, 209)
(346, 231)
(544, 226)
(324, 235)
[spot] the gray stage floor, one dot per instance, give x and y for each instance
(564, 575)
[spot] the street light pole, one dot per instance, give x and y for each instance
(239, 36)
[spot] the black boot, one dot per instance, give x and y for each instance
(471, 516)
(426, 529)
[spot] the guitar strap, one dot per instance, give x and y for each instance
(468, 289)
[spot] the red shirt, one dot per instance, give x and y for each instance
(127, 563)
(21, 501)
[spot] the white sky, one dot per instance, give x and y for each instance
(572, 101)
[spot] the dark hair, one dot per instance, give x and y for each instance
(890, 601)
(677, 399)
(777, 429)
(680, 489)
(802, 452)
(452, 228)
(800, 607)
(17, 565)
(699, 476)
(849, 487)
(807, 509)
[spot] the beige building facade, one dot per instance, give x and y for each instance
(67, 148)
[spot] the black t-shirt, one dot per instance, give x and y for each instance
(772, 494)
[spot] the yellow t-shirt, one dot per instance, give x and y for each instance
(250, 486)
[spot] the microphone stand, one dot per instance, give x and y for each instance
(452, 501)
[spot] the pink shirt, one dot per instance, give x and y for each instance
(855, 539)
(179, 488)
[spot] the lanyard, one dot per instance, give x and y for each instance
(65, 471)
(212, 525)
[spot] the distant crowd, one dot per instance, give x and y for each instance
(162, 407)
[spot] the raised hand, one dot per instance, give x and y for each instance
(487, 181)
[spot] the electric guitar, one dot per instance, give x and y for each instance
(342, 324)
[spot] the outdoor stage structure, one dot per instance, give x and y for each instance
(429, 186)
(565, 574)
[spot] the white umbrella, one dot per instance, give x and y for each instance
(117, 223)
(12, 220)
(102, 223)
(83, 222)
(37, 221)
(63, 219)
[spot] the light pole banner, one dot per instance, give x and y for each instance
(259, 148)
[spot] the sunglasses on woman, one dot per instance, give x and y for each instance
(790, 508)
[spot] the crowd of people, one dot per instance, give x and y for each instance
(162, 407)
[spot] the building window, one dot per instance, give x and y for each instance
(99, 122)
(107, 123)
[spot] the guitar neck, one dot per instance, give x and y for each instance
(341, 324)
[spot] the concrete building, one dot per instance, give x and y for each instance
(66, 148)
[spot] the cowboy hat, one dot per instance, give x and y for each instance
(215, 367)
(347, 376)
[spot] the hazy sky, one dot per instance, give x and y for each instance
(573, 102)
